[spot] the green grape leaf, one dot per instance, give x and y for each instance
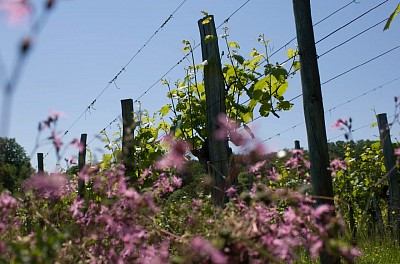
(246, 117)
(233, 44)
(239, 58)
(290, 53)
(265, 109)
(165, 110)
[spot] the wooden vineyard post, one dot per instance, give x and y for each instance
(297, 147)
(313, 111)
(127, 136)
(81, 164)
(297, 144)
(215, 102)
(393, 177)
(40, 162)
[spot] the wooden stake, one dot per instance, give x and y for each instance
(393, 177)
(313, 110)
(127, 137)
(40, 162)
(215, 101)
(81, 164)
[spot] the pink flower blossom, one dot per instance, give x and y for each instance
(56, 115)
(56, 139)
(16, 10)
(78, 144)
(228, 130)
(165, 184)
(273, 174)
(196, 204)
(231, 191)
(175, 158)
(297, 160)
(338, 123)
(256, 167)
(205, 249)
(337, 164)
(51, 186)
(397, 152)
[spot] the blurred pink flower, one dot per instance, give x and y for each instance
(56, 114)
(175, 158)
(16, 10)
(205, 249)
(56, 139)
(397, 152)
(196, 204)
(228, 130)
(51, 186)
(337, 164)
(338, 123)
(231, 191)
(165, 184)
(78, 144)
(256, 167)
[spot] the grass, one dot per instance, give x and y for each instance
(374, 251)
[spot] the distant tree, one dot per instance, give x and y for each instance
(14, 164)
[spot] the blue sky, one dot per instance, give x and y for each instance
(86, 43)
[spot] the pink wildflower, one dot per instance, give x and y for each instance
(228, 129)
(205, 249)
(78, 144)
(273, 174)
(16, 10)
(176, 156)
(256, 167)
(56, 115)
(338, 124)
(231, 191)
(397, 152)
(337, 164)
(196, 205)
(56, 140)
(167, 185)
(53, 186)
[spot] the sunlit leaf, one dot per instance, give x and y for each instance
(209, 38)
(290, 53)
(207, 19)
(233, 44)
(392, 16)
(265, 109)
(165, 109)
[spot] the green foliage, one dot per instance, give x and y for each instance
(249, 86)
(360, 182)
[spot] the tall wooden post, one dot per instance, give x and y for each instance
(215, 101)
(127, 136)
(40, 162)
(297, 144)
(297, 147)
(393, 177)
(313, 110)
(81, 164)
